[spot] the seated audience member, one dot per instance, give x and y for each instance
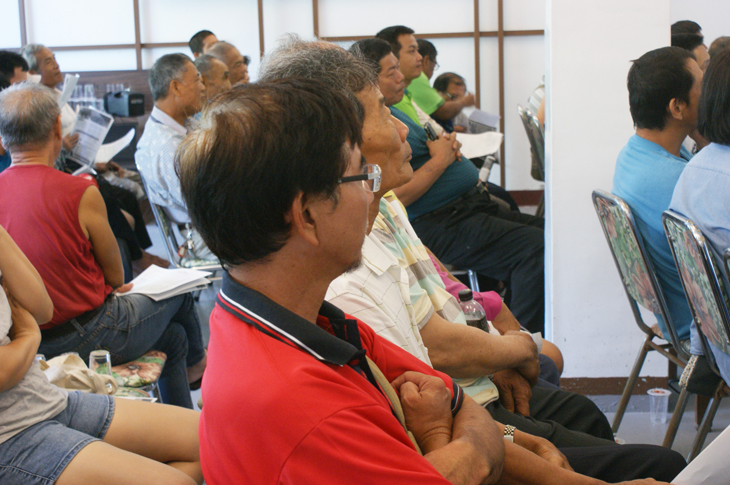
(696, 45)
(201, 42)
(42, 61)
(453, 86)
(48, 434)
(428, 53)
(456, 218)
(237, 63)
(686, 27)
(122, 204)
(60, 223)
(702, 192)
(178, 93)
(664, 89)
(307, 198)
(405, 48)
(214, 74)
(718, 45)
(13, 69)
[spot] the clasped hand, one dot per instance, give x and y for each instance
(427, 408)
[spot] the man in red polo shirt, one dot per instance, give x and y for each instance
(295, 390)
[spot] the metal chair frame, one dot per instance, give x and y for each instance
(167, 230)
(672, 350)
(700, 247)
(536, 136)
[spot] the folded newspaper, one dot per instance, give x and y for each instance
(159, 283)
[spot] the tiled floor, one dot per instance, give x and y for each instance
(635, 427)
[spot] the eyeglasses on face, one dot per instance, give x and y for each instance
(370, 177)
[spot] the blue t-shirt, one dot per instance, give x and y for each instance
(645, 177)
(460, 177)
(4, 161)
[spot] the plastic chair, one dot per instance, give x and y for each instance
(642, 289)
(169, 237)
(536, 136)
(707, 300)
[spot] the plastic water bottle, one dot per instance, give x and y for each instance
(473, 311)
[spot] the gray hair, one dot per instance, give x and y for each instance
(29, 52)
(166, 69)
(219, 49)
(204, 64)
(28, 113)
(320, 60)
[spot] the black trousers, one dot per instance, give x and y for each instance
(566, 419)
(626, 462)
(477, 233)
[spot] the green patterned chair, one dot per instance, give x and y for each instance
(643, 290)
(138, 378)
(707, 300)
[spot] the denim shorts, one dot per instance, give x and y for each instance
(40, 453)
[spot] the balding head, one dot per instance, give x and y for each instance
(215, 74)
(320, 60)
(28, 115)
(231, 57)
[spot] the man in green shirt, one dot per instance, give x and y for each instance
(405, 47)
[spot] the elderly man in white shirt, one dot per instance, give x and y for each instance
(178, 93)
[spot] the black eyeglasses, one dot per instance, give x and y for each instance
(370, 177)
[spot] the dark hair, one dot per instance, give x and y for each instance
(426, 48)
(371, 50)
(654, 80)
(255, 149)
(714, 106)
(442, 82)
(164, 70)
(718, 45)
(686, 27)
(196, 41)
(687, 41)
(391, 34)
(8, 62)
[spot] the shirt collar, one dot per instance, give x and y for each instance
(161, 117)
(276, 321)
(375, 255)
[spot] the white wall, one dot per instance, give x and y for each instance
(588, 123)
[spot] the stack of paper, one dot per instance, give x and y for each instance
(159, 283)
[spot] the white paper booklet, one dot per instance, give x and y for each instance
(710, 467)
(160, 283)
(69, 84)
(473, 146)
(91, 126)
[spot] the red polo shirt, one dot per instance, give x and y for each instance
(289, 402)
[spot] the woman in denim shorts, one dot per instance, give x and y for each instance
(49, 435)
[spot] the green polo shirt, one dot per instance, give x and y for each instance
(406, 106)
(426, 97)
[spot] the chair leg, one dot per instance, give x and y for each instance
(630, 383)
(706, 424)
(700, 408)
(473, 281)
(676, 418)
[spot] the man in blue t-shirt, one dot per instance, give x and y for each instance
(664, 89)
(449, 209)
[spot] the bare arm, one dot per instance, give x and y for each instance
(462, 351)
(94, 222)
(18, 355)
(443, 152)
(23, 281)
(452, 108)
